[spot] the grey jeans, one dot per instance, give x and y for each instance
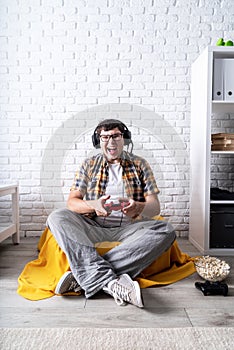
(142, 242)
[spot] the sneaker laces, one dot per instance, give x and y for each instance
(121, 294)
(74, 286)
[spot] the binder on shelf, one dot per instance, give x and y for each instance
(218, 77)
(228, 79)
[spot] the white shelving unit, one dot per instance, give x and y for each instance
(11, 229)
(202, 110)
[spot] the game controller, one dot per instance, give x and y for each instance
(212, 288)
(115, 206)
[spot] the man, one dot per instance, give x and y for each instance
(113, 198)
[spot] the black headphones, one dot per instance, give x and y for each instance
(116, 123)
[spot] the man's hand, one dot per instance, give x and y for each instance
(98, 205)
(148, 209)
(130, 208)
(133, 209)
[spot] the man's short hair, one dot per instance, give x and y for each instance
(110, 124)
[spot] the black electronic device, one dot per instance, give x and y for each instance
(212, 288)
(126, 133)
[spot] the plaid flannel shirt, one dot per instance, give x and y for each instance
(138, 177)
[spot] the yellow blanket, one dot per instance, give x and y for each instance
(40, 277)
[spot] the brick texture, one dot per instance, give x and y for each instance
(66, 64)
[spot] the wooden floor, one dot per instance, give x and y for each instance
(176, 305)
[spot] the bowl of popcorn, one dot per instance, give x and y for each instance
(211, 268)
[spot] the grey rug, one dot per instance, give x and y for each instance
(118, 339)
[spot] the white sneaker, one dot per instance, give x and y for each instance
(67, 284)
(124, 289)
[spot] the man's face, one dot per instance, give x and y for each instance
(112, 147)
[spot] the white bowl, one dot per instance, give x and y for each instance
(212, 269)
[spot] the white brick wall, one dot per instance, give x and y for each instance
(66, 64)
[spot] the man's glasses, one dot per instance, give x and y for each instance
(115, 137)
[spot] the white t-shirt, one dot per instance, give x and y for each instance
(114, 188)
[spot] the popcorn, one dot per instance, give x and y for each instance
(212, 269)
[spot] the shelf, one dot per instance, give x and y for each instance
(212, 251)
(7, 230)
(229, 202)
(222, 152)
(203, 122)
(222, 106)
(11, 229)
(220, 251)
(221, 51)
